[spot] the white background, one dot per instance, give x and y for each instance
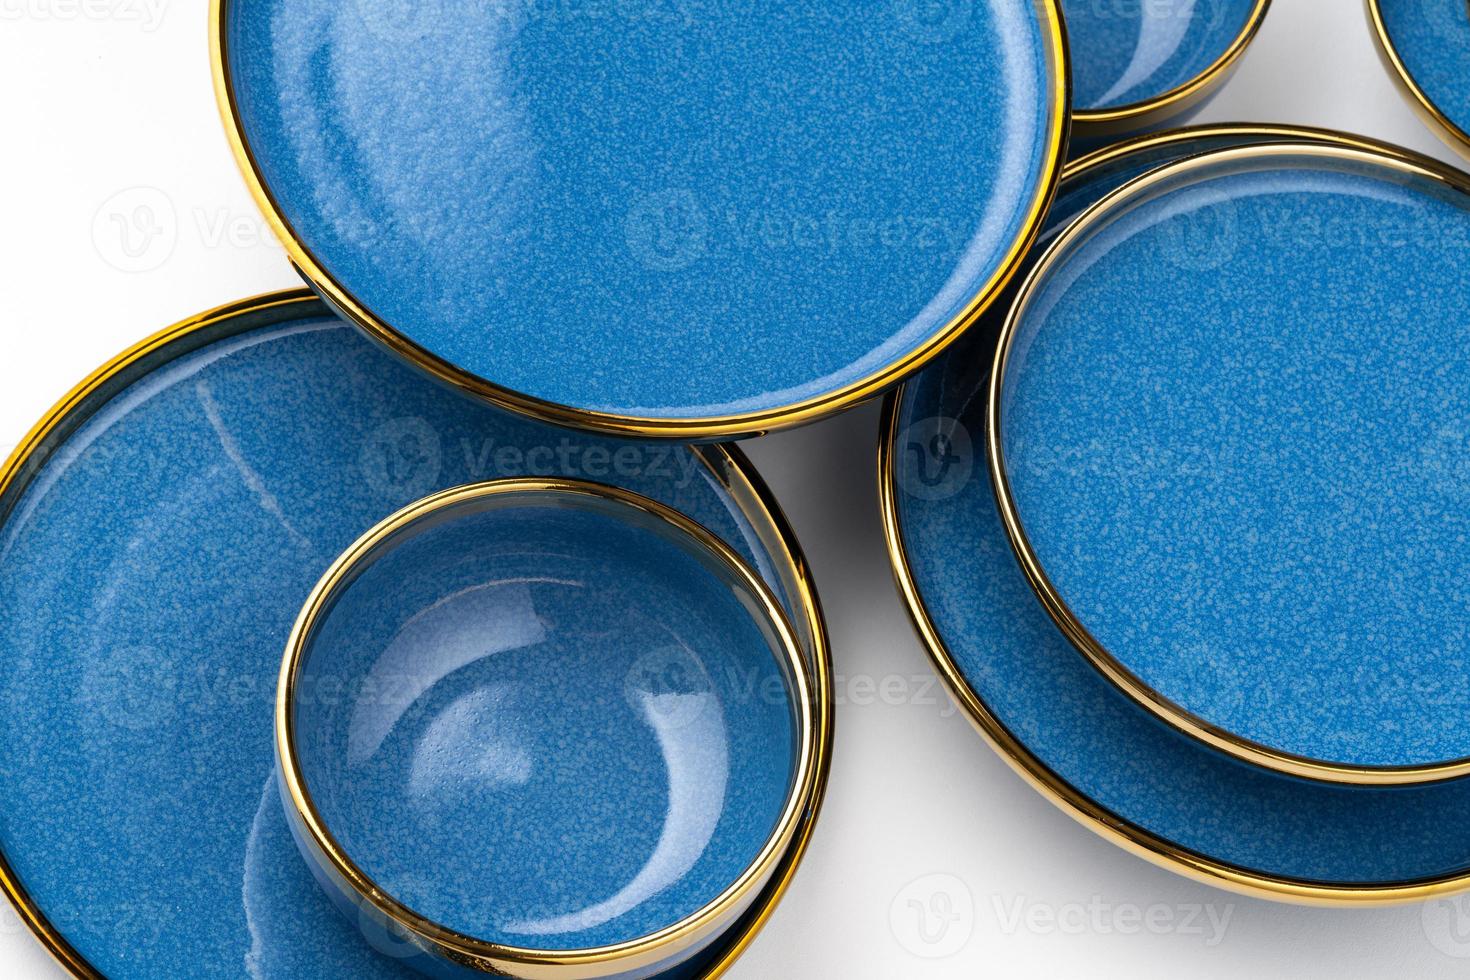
(101, 98)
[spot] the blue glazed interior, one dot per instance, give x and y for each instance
(689, 209)
(587, 734)
(1432, 39)
(1130, 51)
(1250, 487)
(1075, 723)
(150, 573)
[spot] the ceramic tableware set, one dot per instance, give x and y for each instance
(418, 622)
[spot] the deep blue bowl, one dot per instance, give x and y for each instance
(544, 727)
(697, 219)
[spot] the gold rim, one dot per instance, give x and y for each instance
(714, 427)
(1066, 619)
(1100, 820)
(1093, 123)
(496, 958)
(1435, 118)
(735, 473)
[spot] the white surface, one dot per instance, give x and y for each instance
(108, 106)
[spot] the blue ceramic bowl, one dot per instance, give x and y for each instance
(544, 727)
(159, 530)
(1070, 732)
(1224, 431)
(698, 219)
(1138, 64)
(1426, 44)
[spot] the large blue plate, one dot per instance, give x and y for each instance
(160, 532)
(697, 218)
(1073, 734)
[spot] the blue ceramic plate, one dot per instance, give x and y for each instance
(161, 531)
(1427, 44)
(698, 219)
(543, 723)
(1069, 730)
(1239, 489)
(1138, 63)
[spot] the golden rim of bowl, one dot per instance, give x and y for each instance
(686, 429)
(1117, 829)
(1147, 113)
(1435, 118)
(499, 959)
(727, 464)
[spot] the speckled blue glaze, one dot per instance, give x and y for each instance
(1250, 487)
(1093, 738)
(1432, 39)
(150, 573)
(673, 208)
(563, 725)
(1129, 51)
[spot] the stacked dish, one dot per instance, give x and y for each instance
(1220, 490)
(551, 703)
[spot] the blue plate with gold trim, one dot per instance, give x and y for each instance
(1089, 747)
(161, 530)
(697, 219)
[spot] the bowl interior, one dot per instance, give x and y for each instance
(657, 211)
(1130, 51)
(547, 720)
(1233, 429)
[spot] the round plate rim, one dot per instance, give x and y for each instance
(1426, 108)
(1097, 818)
(726, 463)
(740, 425)
(1153, 111)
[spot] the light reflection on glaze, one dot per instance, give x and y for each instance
(1131, 51)
(547, 713)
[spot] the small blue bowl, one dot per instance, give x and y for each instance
(1139, 64)
(543, 728)
(1426, 44)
